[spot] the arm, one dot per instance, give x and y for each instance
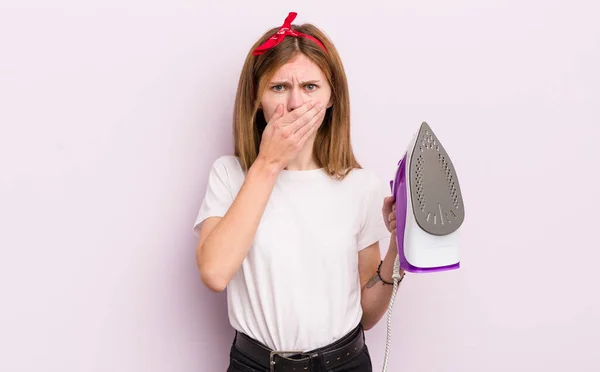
(375, 295)
(224, 242)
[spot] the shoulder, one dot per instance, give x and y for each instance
(227, 165)
(227, 169)
(365, 179)
(227, 161)
(369, 187)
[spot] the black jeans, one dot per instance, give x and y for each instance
(238, 362)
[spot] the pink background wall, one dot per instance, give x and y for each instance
(112, 111)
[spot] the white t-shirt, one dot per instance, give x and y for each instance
(298, 288)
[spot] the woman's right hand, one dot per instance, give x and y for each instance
(286, 134)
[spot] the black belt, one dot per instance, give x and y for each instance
(330, 356)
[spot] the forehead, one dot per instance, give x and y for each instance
(300, 66)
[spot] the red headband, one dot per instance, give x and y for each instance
(284, 30)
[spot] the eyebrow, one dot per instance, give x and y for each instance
(301, 83)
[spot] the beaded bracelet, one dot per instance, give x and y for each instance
(384, 282)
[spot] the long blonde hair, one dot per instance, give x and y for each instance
(332, 148)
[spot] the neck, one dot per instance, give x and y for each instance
(305, 159)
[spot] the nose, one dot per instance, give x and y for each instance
(295, 99)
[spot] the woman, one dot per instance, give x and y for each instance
(291, 223)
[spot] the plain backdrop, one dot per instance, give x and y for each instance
(112, 112)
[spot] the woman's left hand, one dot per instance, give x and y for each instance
(389, 214)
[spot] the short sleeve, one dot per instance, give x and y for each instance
(218, 197)
(373, 227)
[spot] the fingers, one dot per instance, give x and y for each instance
(278, 114)
(309, 128)
(293, 116)
(306, 118)
(388, 204)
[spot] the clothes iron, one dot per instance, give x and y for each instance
(429, 205)
(429, 212)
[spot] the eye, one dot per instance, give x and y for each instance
(311, 87)
(277, 88)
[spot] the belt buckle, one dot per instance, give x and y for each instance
(280, 353)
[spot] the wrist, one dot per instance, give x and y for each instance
(387, 266)
(383, 276)
(393, 242)
(386, 274)
(392, 250)
(264, 168)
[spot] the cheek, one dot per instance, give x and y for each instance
(268, 112)
(266, 116)
(325, 97)
(269, 106)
